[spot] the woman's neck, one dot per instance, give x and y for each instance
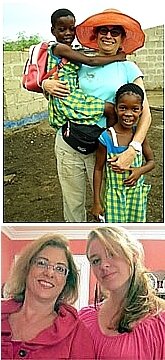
(35, 308)
(109, 315)
(116, 297)
(106, 53)
(114, 302)
(32, 318)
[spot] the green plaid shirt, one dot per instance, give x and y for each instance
(78, 106)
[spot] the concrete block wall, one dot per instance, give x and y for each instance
(18, 102)
(22, 106)
(150, 58)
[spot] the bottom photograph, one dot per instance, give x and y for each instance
(83, 291)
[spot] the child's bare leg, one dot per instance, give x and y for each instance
(110, 113)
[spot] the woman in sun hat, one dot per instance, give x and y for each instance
(109, 32)
(134, 36)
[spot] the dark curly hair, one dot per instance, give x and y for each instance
(60, 13)
(130, 88)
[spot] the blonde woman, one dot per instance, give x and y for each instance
(38, 321)
(129, 324)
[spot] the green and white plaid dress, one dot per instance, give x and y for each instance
(78, 107)
(123, 203)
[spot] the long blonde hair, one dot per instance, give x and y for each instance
(16, 285)
(141, 298)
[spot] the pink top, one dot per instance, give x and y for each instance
(66, 338)
(145, 342)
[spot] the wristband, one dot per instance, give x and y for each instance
(136, 146)
(42, 84)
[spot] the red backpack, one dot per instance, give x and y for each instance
(35, 69)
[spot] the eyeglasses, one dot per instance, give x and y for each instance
(58, 268)
(104, 30)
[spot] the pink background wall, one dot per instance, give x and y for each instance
(154, 255)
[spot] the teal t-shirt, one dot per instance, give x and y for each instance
(104, 81)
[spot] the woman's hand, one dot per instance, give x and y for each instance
(122, 162)
(56, 88)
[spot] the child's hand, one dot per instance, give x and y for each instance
(97, 210)
(133, 177)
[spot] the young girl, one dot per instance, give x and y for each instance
(125, 193)
(77, 106)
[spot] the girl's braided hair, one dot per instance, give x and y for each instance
(130, 88)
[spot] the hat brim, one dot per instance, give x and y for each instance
(134, 39)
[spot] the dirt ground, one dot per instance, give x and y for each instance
(31, 188)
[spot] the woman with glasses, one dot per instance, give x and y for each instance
(38, 321)
(128, 323)
(109, 32)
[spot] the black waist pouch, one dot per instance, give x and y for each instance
(83, 138)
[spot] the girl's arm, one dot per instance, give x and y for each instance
(101, 155)
(124, 160)
(149, 157)
(74, 55)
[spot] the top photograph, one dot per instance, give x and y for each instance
(83, 113)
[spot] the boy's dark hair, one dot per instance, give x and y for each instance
(59, 13)
(129, 88)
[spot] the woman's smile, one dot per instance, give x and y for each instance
(108, 42)
(109, 275)
(45, 284)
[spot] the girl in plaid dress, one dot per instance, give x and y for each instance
(125, 197)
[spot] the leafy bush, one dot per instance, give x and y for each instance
(23, 42)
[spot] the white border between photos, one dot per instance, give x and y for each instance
(79, 231)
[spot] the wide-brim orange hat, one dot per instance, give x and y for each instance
(135, 36)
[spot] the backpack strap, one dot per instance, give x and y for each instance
(114, 137)
(63, 60)
(62, 63)
(51, 72)
(56, 68)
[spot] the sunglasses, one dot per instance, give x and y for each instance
(104, 30)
